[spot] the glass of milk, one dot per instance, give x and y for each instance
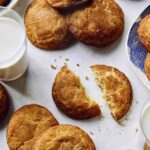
(13, 53)
(145, 121)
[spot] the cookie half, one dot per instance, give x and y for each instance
(4, 102)
(117, 90)
(65, 3)
(71, 98)
(26, 124)
(99, 24)
(144, 32)
(64, 137)
(46, 28)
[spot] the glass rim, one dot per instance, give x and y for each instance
(20, 22)
(141, 115)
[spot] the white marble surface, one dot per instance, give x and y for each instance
(35, 85)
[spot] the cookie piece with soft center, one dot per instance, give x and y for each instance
(26, 124)
(71, 98)
(99, 24)
(117, 90)
(46, 27)
(64, 137)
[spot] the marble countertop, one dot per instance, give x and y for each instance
(35, 85)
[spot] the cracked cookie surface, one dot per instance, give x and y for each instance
(144, 32)
(26, 124)
(116, 88)
(46, 28)
(64, 137)
(99, 24)
(71, 98)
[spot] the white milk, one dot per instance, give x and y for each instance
(13, 61)
(145, 121)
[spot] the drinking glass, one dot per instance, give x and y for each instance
(13, 45)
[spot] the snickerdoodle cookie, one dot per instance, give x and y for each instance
(147, 66)
(117, 90)
(46, 27)
(144, 32)
(99, 24)
(65, 3)
(64, 137)
(4, 102)
(71, 98)
(26, 124)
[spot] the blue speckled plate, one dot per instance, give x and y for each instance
(135, 50)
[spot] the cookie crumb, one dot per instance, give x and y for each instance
(136, 130)
(66, 59)
(55, 60)
(91, 133)
(120, 123)
(99, 129)
(137, 102)
(126, 118)
(86, 77)
(78, 65)
(53, 67)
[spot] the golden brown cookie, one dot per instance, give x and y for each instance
(64, 137)
(117, 90)
(146, 146)
(4, 102)
(99, 24)
(26, 124)
(147, 66)
(46, 28)
(65, 3)
(2, 2)
(144, 32)
(71, 98)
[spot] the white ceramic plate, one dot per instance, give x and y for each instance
(136, 52)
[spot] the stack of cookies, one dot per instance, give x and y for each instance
(33, 127)
(53, 24)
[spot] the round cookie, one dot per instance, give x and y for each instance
(2, 2)
(4, 102)
(46, 28)
(65, 3)
(144, 32)
(147, 66)
(26, 124)
(116, 87)
(71, 98)
(99, 24)
(64, 137)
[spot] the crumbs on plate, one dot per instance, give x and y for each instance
(86, 77)
(54, 67)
